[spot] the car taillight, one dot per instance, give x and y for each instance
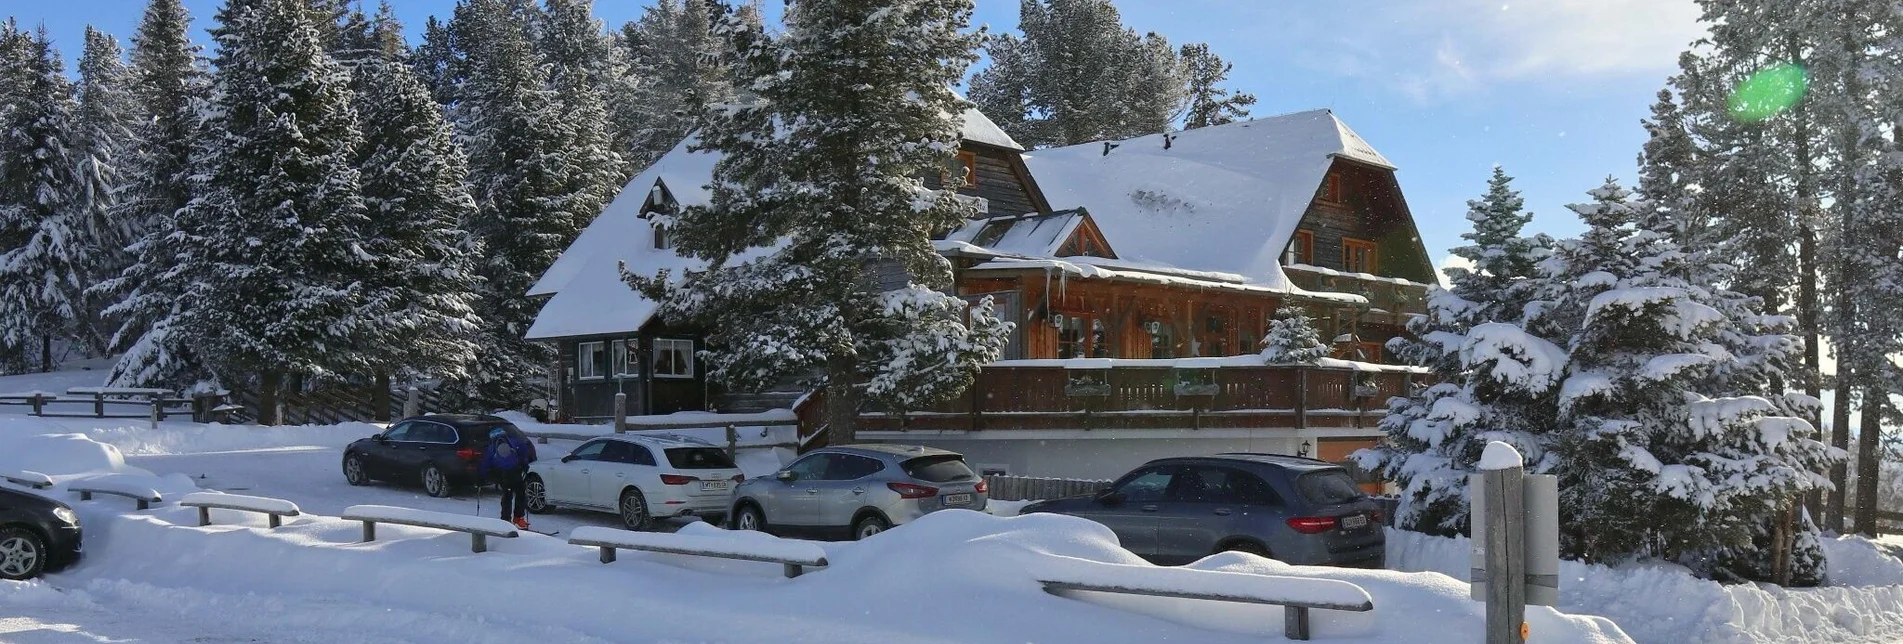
(910, 491)
(1312, 525)
(982, 487)
(739, 477)
(1374, 517)
(468, 454)
(676, 479)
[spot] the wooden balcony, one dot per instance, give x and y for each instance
(1136, 394)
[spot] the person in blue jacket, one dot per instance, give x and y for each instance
(506, 462)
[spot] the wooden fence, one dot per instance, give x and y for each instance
(1027, 488)
(117, 402)
(332, 404)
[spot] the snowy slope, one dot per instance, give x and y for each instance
(952, 577)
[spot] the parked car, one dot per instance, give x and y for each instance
(640, 478)
(857, 491)
(36, 534)
(437, 451)
(1297, 510)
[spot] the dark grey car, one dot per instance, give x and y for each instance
(1297, 510)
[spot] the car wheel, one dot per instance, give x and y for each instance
(435, 482)
(868, 526)
(749, 517)
(1250, 547)
(22, 554)
(537, 493)
(634, 510)
(354, 472)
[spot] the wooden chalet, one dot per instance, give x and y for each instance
(1140, 300)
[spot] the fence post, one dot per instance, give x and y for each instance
(621, 413)
(413, 403)
(1503, 537)
(39, 404)
(733, 442)
(158, 411)
(99, 405)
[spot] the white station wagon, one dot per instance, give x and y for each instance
(640, 478)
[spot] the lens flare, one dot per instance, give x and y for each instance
(1768, 93)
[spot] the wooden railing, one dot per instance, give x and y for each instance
(1140, 397)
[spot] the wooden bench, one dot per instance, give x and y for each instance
(28, 478)
(1296, 595)
(110, 485)
(478, 528)
(794, 556)
(274, 509)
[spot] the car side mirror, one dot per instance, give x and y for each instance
(786, 476)
(379, 438)
(1109, 497)
(567, 457)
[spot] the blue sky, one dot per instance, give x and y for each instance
(1551, 89)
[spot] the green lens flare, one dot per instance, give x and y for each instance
(1768, 92)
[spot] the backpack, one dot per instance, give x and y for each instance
(504, 455)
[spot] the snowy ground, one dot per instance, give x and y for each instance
(954, 577)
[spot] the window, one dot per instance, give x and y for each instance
(1329, 487)
(698, 458)
(432, 433)
(1078, 334)
(1221, 485)
(1162, 339)
(618, 358)
(1331, 188)
(1357, 256)
(938, 469)
(1301, 249)
(1146, 486)
(625, 452)
(589, 451)
(660, 237)
(401, 432)
(673, 358)
(591, 360)
(967, 164)
(811, 468)
(846, 467)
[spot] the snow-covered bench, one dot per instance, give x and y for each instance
(796, 556)
(113, 485)
(274, 509)
(1296, 595)
(479, 528)
(28, 478)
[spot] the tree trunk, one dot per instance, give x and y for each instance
(842, 400)
(268, 384)
(46, 354)
(1839, 438)
(380, 398)
(1869, 459)
(1807, 322)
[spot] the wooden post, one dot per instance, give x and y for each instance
(39, 403)
(204, 516)
(413, 403)
(1505, 539)
(369, 531)
(1295, 622)
(99, 404)
(85, 495)
(733, 442)
(621, 413)
(607, 554)
(1301, 398)
(273, 520)
(478, 542)
(158, 411)
(794, 570)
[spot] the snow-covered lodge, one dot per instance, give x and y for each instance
(1141, 273)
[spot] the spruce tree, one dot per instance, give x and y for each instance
(1210, 104)
(681, 64)
(1078, 75)
(860, 80)
(103, 138)
(41, 295)
(592, 76)
(1293, 339)
(436, 62)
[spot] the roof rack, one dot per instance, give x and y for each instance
(1300, 458)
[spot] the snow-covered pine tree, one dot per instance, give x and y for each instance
(865, 81)
(419, 305)
(41, 295)
(436, 62)
(1495, 381)
(169, 86)
(1649, 466)
(278, 218)
(1078, 75)
(1209, 103)
(532, 198)
(682, 69)
(1292, 338)
(592, 75)
(1872, 238)
(102, 138)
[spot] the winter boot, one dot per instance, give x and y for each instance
(522, 522)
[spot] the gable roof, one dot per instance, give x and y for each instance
(1224, 198)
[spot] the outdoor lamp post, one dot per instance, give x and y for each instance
(1303, 450)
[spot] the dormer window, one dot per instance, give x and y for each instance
(967, 163)
(660, 238)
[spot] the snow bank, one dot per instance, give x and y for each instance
(1858, 561)
(137, 437)
(1666, 604)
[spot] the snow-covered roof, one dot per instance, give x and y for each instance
(1226, 197)
(1034, 235)
(981, 129)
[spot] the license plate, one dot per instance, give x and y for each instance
(1355, 522)
(713, 486)
(957, 499)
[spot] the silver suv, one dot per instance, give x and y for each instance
(857, 491)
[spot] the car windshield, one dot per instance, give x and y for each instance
(1329, 487)
(939, 469)
(698, 458)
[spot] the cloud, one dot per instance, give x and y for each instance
(1438, 51)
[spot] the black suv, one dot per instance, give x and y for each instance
(438, 451)
(1297, 510)
(36, 534)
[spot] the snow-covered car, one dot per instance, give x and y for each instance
(640, 478)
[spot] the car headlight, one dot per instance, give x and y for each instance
(66, 514)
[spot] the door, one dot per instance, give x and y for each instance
(431, 443)
(844, 489)
(796, 502)
(1205, 506)
(379, 456)
(567, 481)
(1131, 510)
(622, 464)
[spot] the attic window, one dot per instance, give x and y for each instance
(660, 238)
(1331, 188)
(967, 162)
(1358, 256)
